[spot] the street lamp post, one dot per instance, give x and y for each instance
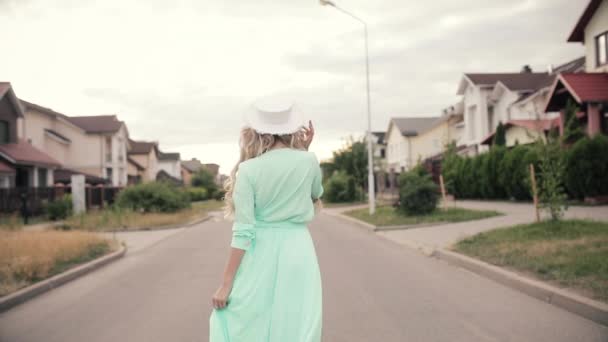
(370, 156)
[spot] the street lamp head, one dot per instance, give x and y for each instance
(327, 3)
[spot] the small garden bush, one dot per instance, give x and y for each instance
(205, 179)
(198, 194)
(153, 197)
(587, 167)
(219, 195)
(418, 194)
(340, 188)
(60, 208)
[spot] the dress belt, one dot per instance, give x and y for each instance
(282, 224)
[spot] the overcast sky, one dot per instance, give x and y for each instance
(182, 72)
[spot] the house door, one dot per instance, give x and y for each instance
(21, 177)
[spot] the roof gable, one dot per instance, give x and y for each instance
(413, 126)
(143, 147)
(578, 33)
(97, 123)
(6, 91)
(582, 87)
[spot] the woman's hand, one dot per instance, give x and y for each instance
(310, 133)
(220, 297)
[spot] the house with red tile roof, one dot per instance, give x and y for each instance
(588, 90)
(21, 163)
(95, 146)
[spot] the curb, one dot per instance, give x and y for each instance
(57, 280)
(359, 223)
(582, 306)
(375, 228)
(167, 227)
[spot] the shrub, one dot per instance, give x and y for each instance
(59, 209)
(418, 194)
(219, 195)
(153, 197)
(491, 186)
(205, 179)
(198, 194)
(500, 138)
(587, 167)
(449, 170)
(340, 187)
(514, 174)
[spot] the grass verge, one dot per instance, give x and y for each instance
(109, 220)
(571, 253)
(30, 256)
(389, 216)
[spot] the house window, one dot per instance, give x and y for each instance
(382, 153)
(42, 178)
(108, 149)
(109, 173)
(469, 125)
(4, 132)
(601, 47)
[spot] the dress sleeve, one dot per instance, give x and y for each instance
(243, 229)
(317, 184)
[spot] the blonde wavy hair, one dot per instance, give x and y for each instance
(254, 144)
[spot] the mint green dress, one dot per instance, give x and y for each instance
(276, 294)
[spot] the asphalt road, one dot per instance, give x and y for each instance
(374, 290)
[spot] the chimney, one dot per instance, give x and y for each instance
(526, 69)
(550, 69)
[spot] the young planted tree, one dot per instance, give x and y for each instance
(552, 194)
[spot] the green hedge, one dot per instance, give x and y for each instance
(197, 194)
(340, 188)
(587, 167)
(153, 197)
(504, 173)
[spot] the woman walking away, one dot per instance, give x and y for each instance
(271, 290)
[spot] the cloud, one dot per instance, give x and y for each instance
(184, 72)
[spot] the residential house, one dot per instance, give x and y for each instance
(146, 154)
(490, 98)
(189, 168)
(527, 119)
(95, 146)
(589, 90)
(135, 171)
(170, 164)
(21, 163)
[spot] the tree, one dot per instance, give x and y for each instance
(352, 159)
(205, 179)
(573, 130)
(552, 195)
(500, 138)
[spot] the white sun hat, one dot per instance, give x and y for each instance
(274, 115)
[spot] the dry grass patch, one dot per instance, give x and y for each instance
(29, 256)
(116, 219)
(571, 253)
